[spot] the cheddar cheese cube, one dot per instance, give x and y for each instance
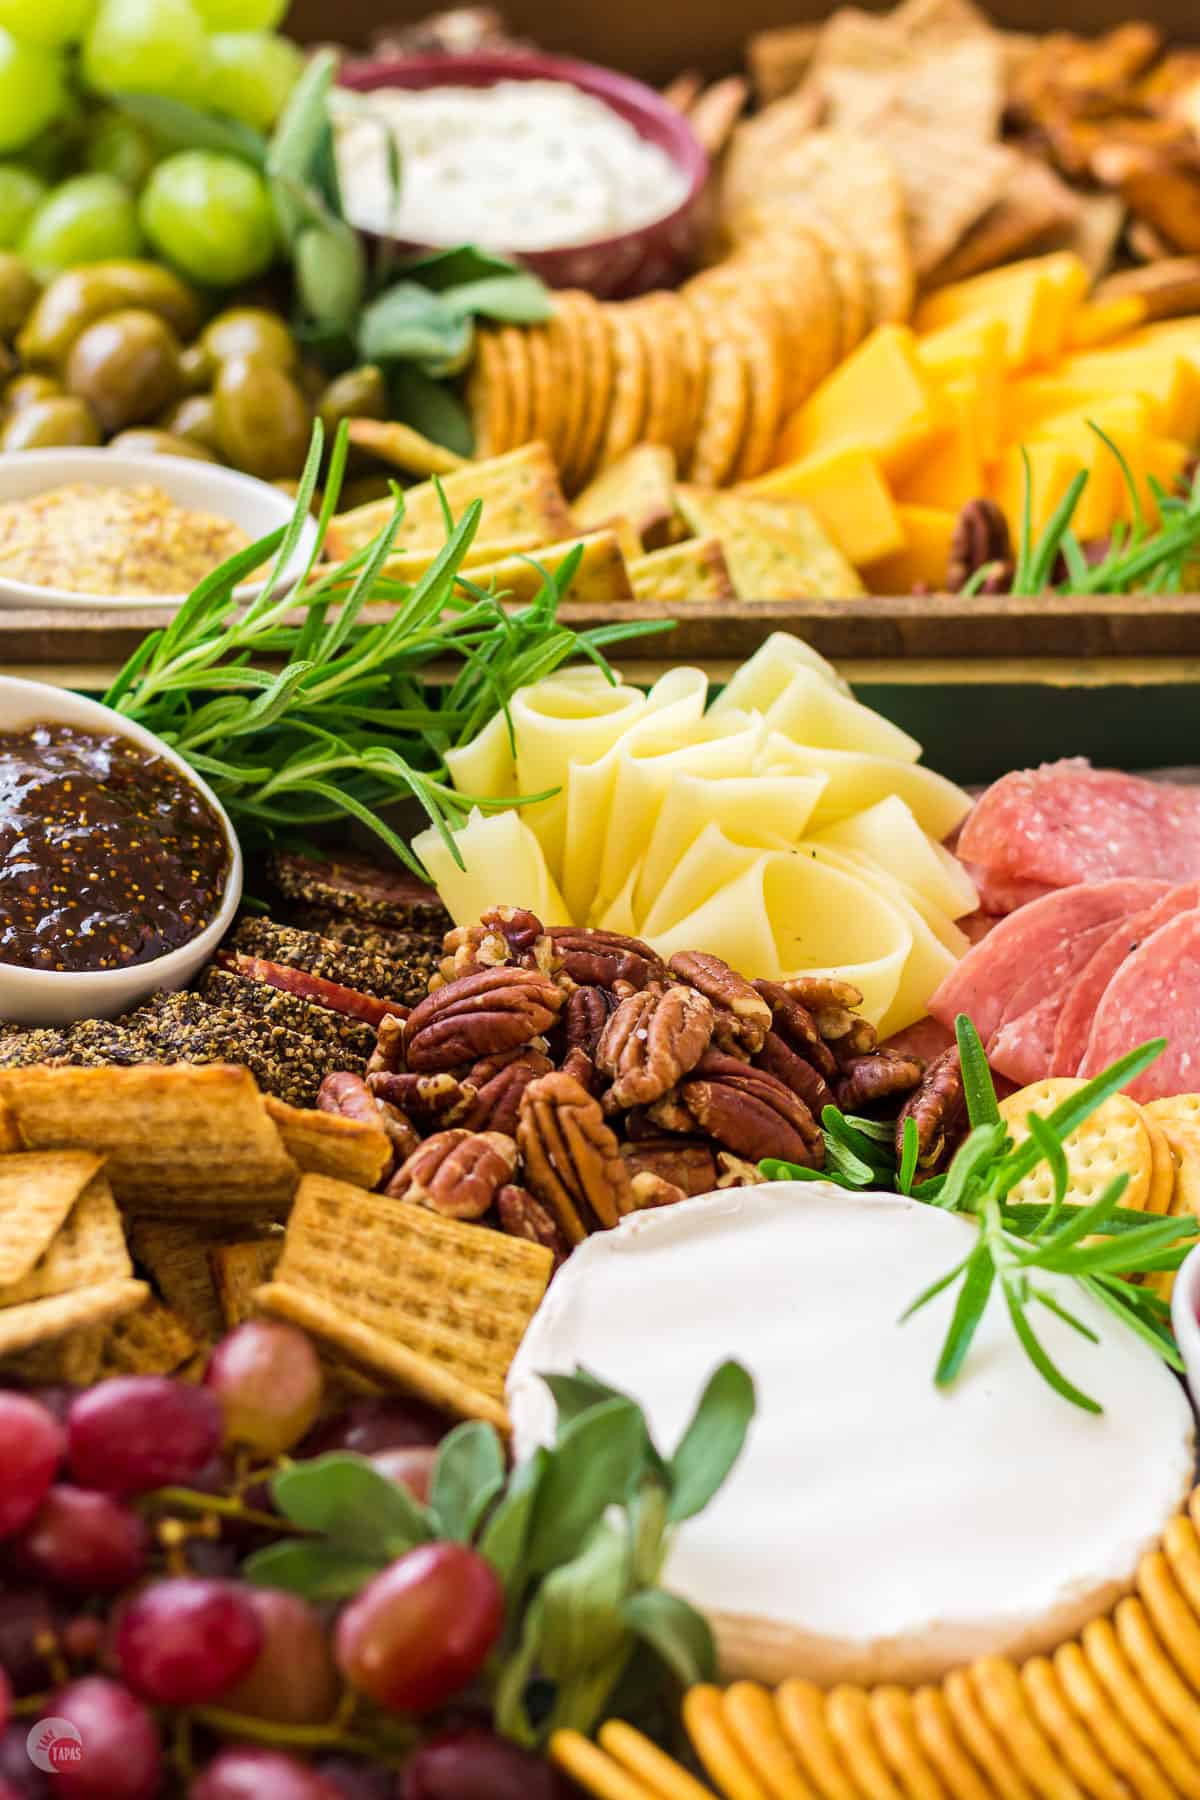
(846, 491)
(880, 400)
(925, 557)
(1035, 301)
(1051, 469)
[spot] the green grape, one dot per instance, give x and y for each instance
(253, 74)
(148, 47)
(242, 15)
(32, 91)
(21, 193)
(118, 145)
(51, 23)
(211, 216)
(91, 218)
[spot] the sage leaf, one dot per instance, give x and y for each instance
(316, 1570)
(351, 1502)
(410, 323)
(430, 407)
(295, 146)
(183, 127)
(598, 1461)
(518, 298)
(505, 1536)
(580, 1606)
(442, 269)
(677, 1633)
(467, 1476)
(712, 1442)
(578, 1393)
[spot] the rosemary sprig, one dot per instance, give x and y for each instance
(1101, 1247)
(349, 723)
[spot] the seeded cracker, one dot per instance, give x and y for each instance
(37, 1193)
(87, 1250)
(41, 1321)
(436, 1305)
(322, 1143)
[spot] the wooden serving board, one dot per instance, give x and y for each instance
(923, 627)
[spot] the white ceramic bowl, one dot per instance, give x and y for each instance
(57, 997)
(201, 486)
(1185, 1320)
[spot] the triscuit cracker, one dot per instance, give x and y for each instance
(640, 487)
(238, 1270)
(151, 1341)
(1113, 1141)
(37, 1192)
(436, 1305)
(175, 1256)
(321, 1143)
(75, 1359)
(87, 1250)
(195, 1138)
(40, 1321)
(693, 570)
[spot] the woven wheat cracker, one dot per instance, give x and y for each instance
(175, 1256)
(439, 1305)
(74, 1359)
(40, 1321)
(239, 1270)
(322, 1143)
(1113, 1141)
(37, 1192)
(152, 1341)
(87, 1250)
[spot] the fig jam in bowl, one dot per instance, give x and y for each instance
(589, 178)
(120, 872)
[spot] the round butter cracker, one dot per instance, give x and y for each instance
(992, 1755)
(891, 1710)
(751, 1717)
(630, 381)
(714, 1744)
(942, 1745)
(487, 397)
(1102, 1650)
(1158, 1675)
(1122, 1751)
(1003, 1700)
(850, 1723)
(1113, 1141)
(801, 1708)
(1063, 1729)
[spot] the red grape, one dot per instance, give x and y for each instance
(411, 1468)
(27, 1620)
(139, 1432)
(369, 1425)
(245, 1774)
(17, 1774)
(121, 1755)
(31, 1448)
(478, 1765)
(83, 1540)
(5, 1702)
(358, 1780)
(293, 1680)
(418, 1632)
(268, 1380)
(187, 1641)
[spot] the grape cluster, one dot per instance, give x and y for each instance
(117, 1615)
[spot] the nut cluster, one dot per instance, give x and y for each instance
(554, 1080)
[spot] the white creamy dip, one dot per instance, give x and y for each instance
(522, 165)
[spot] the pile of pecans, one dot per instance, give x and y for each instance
(554, 1080)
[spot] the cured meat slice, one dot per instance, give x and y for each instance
(331, 995)
(1154, 993)
(1004, 893)
(927, 1039)
(1034, 942)
(1067, 822)
(1074, 1024)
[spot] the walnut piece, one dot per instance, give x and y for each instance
(743, 1017)
(652, 1039)
(456, 1173)
(572, 1162)
(504, 936)
(480, 1015)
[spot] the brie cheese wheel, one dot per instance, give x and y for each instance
(876, 1528)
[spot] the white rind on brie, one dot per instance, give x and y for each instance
(877, 1528)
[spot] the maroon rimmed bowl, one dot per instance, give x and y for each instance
(654, 255)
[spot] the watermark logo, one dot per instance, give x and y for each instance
(54, 1744)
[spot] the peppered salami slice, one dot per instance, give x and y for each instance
(1067, 822)
(1023, 952)
(331, 995)
(1154, 993)
(1074, 1023)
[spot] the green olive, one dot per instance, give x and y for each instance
(358, 394)
(263, 420)
(313, 381)
(195, 418)
(197, 368)
(78, 297)
(126, 366)
(254, 332)
(50, 425)
(23, 390)
(143, 441)
(19, 289)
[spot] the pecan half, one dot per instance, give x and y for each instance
(743, 1017)
(602, 958)
(499, 1083)
(571, 1156)
(793, 1022)
(401, 1131)
(652, 1039)
(348, 1096)
(780, 1060)
(687, 1164)
(524, 1217)
(479, 1015)
(815, 992)
(456, 1173)
(937, 1106)
(587, 1012)
(980, 537)
(429, 1096)
(751, 1112)
(388, 1054)
(866, 1079)
(580, 1067)
(651, 1190)
(505, 935)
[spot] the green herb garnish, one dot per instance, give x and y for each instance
(1102, 1247)
(345, 722)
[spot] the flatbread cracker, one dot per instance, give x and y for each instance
(402, 446)
(321, 1143)
(640, 488)
(1037, 206)
(775, 549)
(600, 576)
(950, 179)
(693, 570)
(87, 1250)
(37, 1193)
(854, 181)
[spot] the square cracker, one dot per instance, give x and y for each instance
(37, 1192)
(695, 570)
(775, 549)
(434, 1304)
(175, 1255)
(639, 487)
(87, 1250)
(40, 1321)
(322, 1143)
(186, 1136)
(239, 1270)
(151, 1341)
(520, 493)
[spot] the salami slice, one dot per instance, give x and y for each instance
(1074, 1024)
(1033, 942)
(328, 994)
(1154, 993)
(1000, 894)
(1067, 822)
